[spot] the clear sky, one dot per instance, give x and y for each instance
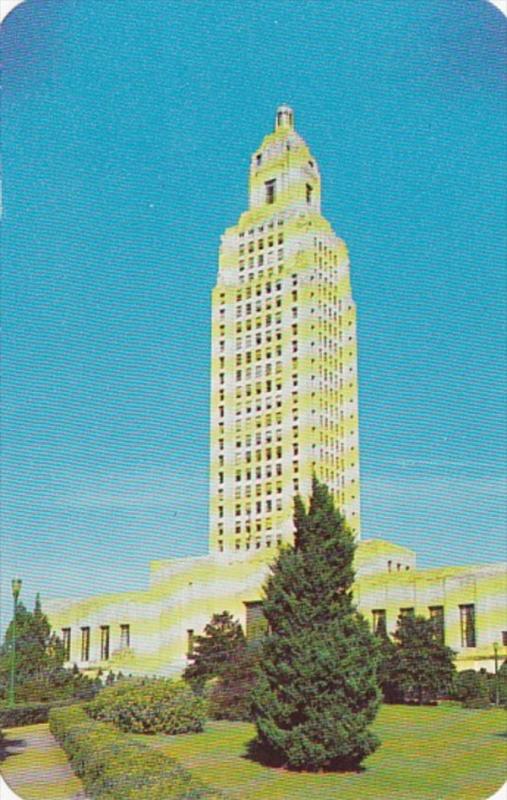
(128, 128)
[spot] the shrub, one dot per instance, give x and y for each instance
(150, 706)
(115, 766)
(472, 688)
(28, 713)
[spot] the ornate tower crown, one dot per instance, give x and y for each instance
(283, 172)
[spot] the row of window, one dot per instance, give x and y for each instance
(259, 243)
(261, 228)
(105, 641)
(436, 613)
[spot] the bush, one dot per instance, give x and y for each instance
(472, 688)
(28, 713)
(115, 766)
(150, 706)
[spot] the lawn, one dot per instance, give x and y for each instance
(434, 753)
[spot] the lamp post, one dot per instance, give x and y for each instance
(16, 589)
(497, 693)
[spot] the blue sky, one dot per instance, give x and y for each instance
(128, 128)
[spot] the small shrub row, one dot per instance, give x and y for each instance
(115, 766)
(154, 705)
(28, 713)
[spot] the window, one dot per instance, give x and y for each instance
(85, 644)
(190, 642)
(124, 636)
(467, 624)
(270, 191)
(379, 621)
(66, 643)
(104, 642)
(504, 638)
(258, 159)
(256, 624)
(437, 617)
(309, 190)
(406, 612)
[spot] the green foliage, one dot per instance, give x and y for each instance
(229, 696)
(502, 685)
(387, 674)
(38, 651)
(317, 691)
(472, 688)
(150, 706)
(113, 765)
(40, 675)
(28, 714)
(222, 639)
(419, 667)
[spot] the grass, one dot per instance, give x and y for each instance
(433, 753)
(35, 767)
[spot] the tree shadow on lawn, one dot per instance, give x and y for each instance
(7, 744)
(261, 755)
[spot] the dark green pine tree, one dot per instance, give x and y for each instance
(317, 691)
(38, 651)
(421, 667)
(222, 639)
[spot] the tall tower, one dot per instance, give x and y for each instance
(284, 361)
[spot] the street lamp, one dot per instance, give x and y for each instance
(497, 693)
(16, 589)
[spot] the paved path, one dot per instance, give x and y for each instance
(36, 767)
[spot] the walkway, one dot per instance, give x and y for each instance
(35, 766)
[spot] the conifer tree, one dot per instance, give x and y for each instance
(420, 667)
(222, 639)
(317, 690)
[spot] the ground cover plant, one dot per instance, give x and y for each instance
(427, 752)
(154, 705)
(115, 766)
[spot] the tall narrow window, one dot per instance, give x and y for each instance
(437, 617)
(270, 191)
(85, 644)
(256, 624)
(467, 625)
(309, 191)
(104, 642)
(406, 612)
(379, 621)
(66, 643)
(190, 642)
(124, 636)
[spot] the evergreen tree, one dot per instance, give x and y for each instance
(230, 696)
(38, 651)
(387, 670)
(40, 675)
(223, 637)
(421, 667)
(317, 690)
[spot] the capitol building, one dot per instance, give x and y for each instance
(284, 407)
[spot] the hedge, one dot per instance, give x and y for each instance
(154, 705)
(28, 713)
(116, 766)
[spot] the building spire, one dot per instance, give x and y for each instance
(284, 118)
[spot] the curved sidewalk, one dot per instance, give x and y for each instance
(35, 766)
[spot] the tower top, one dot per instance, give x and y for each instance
(284, 118)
